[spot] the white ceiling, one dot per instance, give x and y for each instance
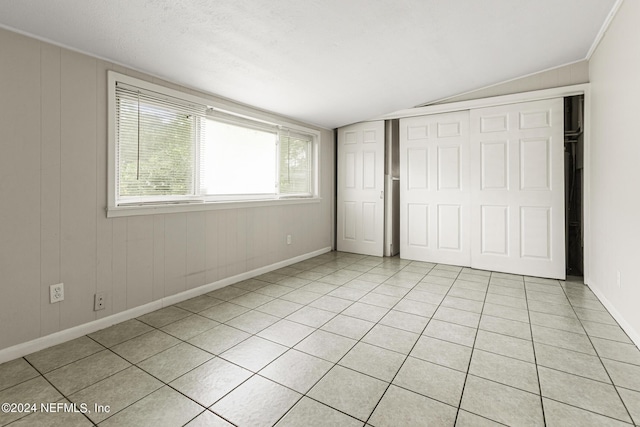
(326, 62)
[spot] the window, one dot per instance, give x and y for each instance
(172, 148)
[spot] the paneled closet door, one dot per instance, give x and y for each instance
(434, 188)
(360, 222)
(517, 171)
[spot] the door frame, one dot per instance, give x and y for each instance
(559, 92)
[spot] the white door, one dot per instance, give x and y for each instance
(517, 170)
(434, 188)
(361, 188)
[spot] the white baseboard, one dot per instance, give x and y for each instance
(41, 343)
(630, 331)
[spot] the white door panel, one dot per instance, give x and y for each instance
(360, 227)
(517, 198)
(434, 188)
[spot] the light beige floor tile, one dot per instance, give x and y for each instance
(311, 316)
(400, 407)
(379, 300)
(505, 327)
(198, 304)
(345, 292)
(254, 353)
(501, 403)
(443, 353)
(505, 312)
(63, 354)
(208, 419)
(189, 327)
(349, 327)
(505, 346)
(137, 349)
(374, 361)
(423, 296)
(301, 296)
(257, 402)
(431, 380)
(286, 332)
(463, 304)
(296, 370)
(418, 308)
(310, 413)
(333, 304)
(117, 392)
(253, 321)
(391, 338)
(274, 290)
(610, 332)
(563, 339)
(227, 293)
(571, 362)
(582, 392)
(348, 391)
(459, 317)
(251, 300)
(595, 316)
(165, 407)
(85, 372)
(36, 390)
(614, 350)
(54, 419)
(368, 312)
(450, 332)
(219, 339)
(325, 345)
(164, 316)
(406, 321)
(174, 362)
(390, 290)
(121, 332)
(460, 290)
(631, 400)
(560, 415)
(556, 322)
(210, 381)
(623, 374)
(279, 307)
(505, 370)
(223, 312)
(15, 372)
(467, 419)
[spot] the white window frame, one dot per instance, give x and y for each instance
(183, 204)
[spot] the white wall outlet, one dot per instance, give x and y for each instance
(56, 293)
(98, 301)
(288, 239)
(618, 280)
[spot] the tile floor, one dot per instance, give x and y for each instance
(348, 340)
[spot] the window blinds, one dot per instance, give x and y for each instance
(155, 144)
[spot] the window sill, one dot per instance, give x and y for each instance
(122, 211)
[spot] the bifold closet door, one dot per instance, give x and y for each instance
(360, 221)
(434, 188)
(517, 171)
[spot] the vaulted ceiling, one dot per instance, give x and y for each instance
(326, 62)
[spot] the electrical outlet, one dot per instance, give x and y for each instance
(288, 239)
(618, 280)
(56, 293)
(98, 301)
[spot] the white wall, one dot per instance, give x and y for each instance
(566, 75)
(53, 226)
(614, 70)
